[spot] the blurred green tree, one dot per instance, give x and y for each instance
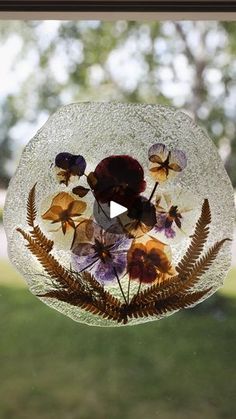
(190, 65)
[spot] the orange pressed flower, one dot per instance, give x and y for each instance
(149, 262)
(64, 209)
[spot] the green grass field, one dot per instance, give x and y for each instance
(183, 367)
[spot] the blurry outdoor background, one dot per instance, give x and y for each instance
(185, 365)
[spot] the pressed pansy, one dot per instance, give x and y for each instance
(140, 218)
(119, 178)
(165, 164)
(71, 165)
(149, 261)
(100, 252)
(176, 213)
(168, 220)
(65, 210)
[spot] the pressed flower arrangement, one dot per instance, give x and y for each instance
(165, 253)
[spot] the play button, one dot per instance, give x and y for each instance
(110, 216)
(118, 219)
(116, 209)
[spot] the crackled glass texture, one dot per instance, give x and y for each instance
(173, 241)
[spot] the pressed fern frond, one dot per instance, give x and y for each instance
(198, 241)
(203, 264)
(41, 239)
(90, 283)
(95, 300)
(49, 263)
(87, 302)
(94, 287)
(170, 304)
(182, 280)
(36, 233)
(157, 291)
(31, 207)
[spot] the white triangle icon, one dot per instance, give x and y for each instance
(116, 209)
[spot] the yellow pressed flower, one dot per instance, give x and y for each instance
(165, 164)
(65, 209)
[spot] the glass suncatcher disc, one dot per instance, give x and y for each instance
(168, 249)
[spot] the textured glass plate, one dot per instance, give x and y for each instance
(99, 130)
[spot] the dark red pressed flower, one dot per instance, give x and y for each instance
(141, 267)
(119, 179)
(149, 262)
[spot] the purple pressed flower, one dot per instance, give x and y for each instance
(71, 165)
(176, 213)
(100, 252)
(169, 233)
(168, 220)
(165, 164)
(75, 163)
